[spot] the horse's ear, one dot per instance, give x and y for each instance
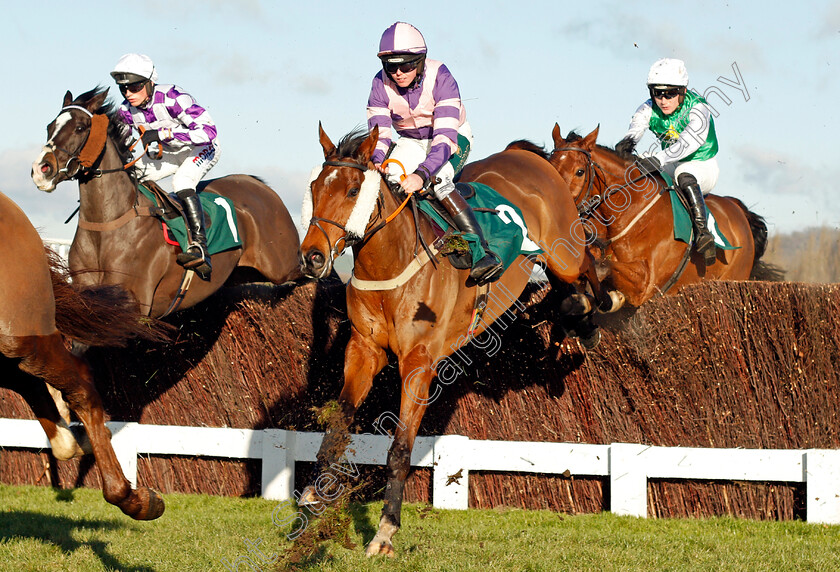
(555, 134)
(589, 141)
(95, 102)
(368, 146)
(326, 144)
(68, 97)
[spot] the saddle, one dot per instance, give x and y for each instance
(168, 206)
(497, 218)
(450, 241)
(219, 212)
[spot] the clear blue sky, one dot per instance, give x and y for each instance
(268, 72)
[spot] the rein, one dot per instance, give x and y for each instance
(585, 209)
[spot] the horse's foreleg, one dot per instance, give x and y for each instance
(362, 361)
(416, 373)
(71, 376)
(635, 280)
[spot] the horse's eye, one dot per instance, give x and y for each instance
(353, 192)
(80, 128)
(579, 173)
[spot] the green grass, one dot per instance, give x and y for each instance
(75, 530)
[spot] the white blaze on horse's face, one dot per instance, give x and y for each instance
(43, 183)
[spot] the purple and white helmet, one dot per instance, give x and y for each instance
(401, 38)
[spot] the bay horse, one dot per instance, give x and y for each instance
(399, 302)
(38, 306)
(631, 214)
(115, 243)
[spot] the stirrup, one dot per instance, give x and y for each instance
(490, 273)
(196, 259)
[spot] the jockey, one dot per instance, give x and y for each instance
(419, 98)
(683, 123)
(170, 119)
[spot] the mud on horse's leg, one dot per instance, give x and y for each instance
(362, 361)
(416, 373)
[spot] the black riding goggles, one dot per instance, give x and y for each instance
(134, 87)
(669, 93)
(402, 65)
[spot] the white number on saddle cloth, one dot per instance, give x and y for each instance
(224, 204)
(509, 215)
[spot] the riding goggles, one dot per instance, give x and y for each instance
(392, 67)
(135, 87)
(669, 93)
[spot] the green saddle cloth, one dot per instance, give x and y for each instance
(222, 231)
(503, 229)
(683, 226)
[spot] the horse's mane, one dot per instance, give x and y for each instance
(575, 136)
(526, 145)
(117, 130)
(348, 146)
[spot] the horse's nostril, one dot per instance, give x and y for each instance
(316, 258)
(45, 168)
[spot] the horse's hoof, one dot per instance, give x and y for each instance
(151, 505)
(380, 548)
(591, 341)
(308, 497)
(616, 302)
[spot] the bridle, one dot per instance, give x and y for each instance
(591, 168)
(376, 223)
(72, 156)
(587, 207)
(347, 239)
(90, 150)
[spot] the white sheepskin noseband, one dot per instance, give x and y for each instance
(362, 211)
(365, 203)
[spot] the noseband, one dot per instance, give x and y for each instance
(90, 149)
(347, 240)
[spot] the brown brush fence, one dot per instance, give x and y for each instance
(722, 364)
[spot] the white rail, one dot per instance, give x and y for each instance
(452, 457)
(60, 245)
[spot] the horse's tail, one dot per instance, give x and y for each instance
(761, 270)
(99, 315)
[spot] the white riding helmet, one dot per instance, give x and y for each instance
(668, 72)
(401, 38)
(132, 68)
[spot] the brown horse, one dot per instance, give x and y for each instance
(400, 302)
(632, 218)
(37, 306)
(116, 244)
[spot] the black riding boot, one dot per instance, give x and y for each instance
(704, 242)
(489, 268)
(196, 257)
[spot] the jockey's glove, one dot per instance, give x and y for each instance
(150, 136)
(625, 146)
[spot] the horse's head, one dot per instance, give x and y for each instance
(75, 139)
(572, 157)
(342, 195)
